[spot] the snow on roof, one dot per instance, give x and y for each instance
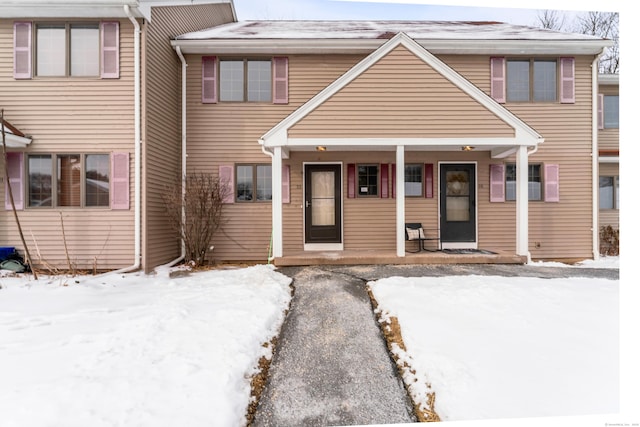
(434, 30)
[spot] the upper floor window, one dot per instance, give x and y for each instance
(539, 80)
(66, 49)
(534, 79)
(245, 80)
(611, 111)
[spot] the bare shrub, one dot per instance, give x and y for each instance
(609, 241)
(203, 201)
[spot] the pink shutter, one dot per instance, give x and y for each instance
(280, 80)
(498, 81)
(600, 111)
(15, 166)
(496, 183)
(286, 186)
(22, 50)
(393, 180)
(551, 183)
(567, 81)
(120, 181)
(384, 181)
(110, 41)
(428, 180)
(209, 80)
(351, 180)
(227, 178)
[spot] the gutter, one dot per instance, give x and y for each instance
(137, 144)
(595, 167)
(183, 250)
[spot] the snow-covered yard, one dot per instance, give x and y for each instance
(137, 350)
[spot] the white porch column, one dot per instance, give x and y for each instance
(276, 201)
(522, 201)
(400, 201)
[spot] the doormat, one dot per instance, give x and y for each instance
(468, 251)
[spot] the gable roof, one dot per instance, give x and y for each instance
(436, 36)
(524, 135)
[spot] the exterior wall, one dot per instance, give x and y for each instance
(71, 115)
(227, 133)
(162, 146)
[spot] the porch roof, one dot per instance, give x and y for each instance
(499, 145)
(14, 137)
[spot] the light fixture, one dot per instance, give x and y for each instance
(467, 148)
(321, 148)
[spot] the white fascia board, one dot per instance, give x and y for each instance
(407, 142)
(146, 5)
(365, 46)
(67, 8)
(609, 159)
(15, 141)
(609, 79)
(524, 134)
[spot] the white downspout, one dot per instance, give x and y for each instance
(271, 257)
(595, 166)
(183, 250)
(137, 143)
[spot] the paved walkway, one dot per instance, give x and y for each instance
(331, 365)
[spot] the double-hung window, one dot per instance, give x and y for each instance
(68, 180)
(413, 180)
(253, 183)
(531, 80)
(611, 111)
(59, 49)
(609, 192)
(534, 182)
(245, 80)
(367, 180)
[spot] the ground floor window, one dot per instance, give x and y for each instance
(609, 192)
(367, 180)
(253, 183)
(68, 180)
(534, 185)
(413, 180)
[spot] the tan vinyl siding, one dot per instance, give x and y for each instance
(228, 132)
(609, 139)
(72, 115)
(163, 118)
(401, 97)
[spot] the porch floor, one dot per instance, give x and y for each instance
(365, 257)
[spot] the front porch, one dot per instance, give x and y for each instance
(366, 257)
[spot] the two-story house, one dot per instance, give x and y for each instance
(334, 135)
(91, 95)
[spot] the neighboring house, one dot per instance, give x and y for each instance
(609, 150)
(334, 134)
(91, 95)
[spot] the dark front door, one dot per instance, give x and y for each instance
(322, 203)
(458, 203)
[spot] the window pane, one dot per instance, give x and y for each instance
(611, 111)
(259, 81)
(535, 183)
(85, 50)
(511, 182)
(69, 169)
(413, 180)
(517, 80)
(232, 80)
(368, 180)
(51, 51)
(544, 81)
(39, 180)
(97, 180)
(244, 183)
(606, 192)
(263, 173)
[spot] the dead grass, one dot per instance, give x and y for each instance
(259, 381)
(393, 335)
